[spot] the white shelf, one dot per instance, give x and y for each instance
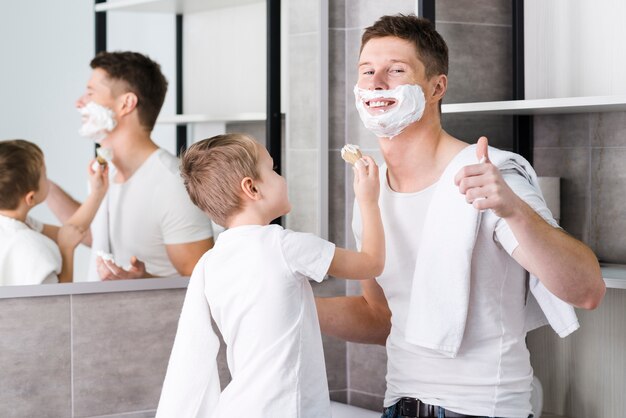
(614, 275)
(198, 118)
(590, 104)
(169, 6)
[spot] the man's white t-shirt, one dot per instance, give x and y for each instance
(148, 211)
(26, 255)
(258, 290)
(491, 376)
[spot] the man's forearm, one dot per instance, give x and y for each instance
(350, 318)
(566, 266)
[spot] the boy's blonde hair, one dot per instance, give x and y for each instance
(21, 164)
(212, 170)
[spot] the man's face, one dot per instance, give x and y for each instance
(99, 90)
(386, 63)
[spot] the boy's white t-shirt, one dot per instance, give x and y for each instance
(27, 256)
(260, 298)
(148, 211)
(491, 375)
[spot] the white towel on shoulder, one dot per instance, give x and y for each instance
(442, 273)
(192, 386)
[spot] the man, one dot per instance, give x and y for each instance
(147, 221)
(485, 370)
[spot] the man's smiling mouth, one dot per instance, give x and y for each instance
(380, 104)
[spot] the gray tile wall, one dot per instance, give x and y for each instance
(86, 355)
(588, 152)
(585, 375)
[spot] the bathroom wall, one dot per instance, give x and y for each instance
(86, 355)
(478, 34)
(585, 375)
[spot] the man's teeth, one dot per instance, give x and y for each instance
(378, 104)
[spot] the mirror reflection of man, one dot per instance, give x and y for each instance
(147, 225)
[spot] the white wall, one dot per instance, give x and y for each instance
(46, 47)
(574, 48)
(152, 34)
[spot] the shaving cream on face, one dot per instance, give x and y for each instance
(98, 121)
(408, 108)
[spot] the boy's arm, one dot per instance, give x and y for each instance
(68, 237)
(370, 261)
(99, 182)
(63, 206)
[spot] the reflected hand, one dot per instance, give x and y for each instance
(483, 184)
(108, 270)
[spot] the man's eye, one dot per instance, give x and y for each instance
(368, 72)
(397, 70)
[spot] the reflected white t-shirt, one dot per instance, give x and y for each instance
(491, 375)
(27, 256)
(148, 211)
(261, 300)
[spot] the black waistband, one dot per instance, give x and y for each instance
(414, 408)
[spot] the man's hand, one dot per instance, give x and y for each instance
(108, 270)
(483, 185)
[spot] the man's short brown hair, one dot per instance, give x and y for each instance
(430, 46)
(212, 170)
(21, 164)
(139, 75)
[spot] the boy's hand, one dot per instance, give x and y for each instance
(366, 181)
(69, 236)
(108, 270)
(98, 178)
(483, 185)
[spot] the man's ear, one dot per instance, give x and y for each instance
(29, 198)
(249, 189)
(129, 103)
(441, 87)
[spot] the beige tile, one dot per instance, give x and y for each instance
(35, 377)
(121, 346)
(303, 16)
(335, 355)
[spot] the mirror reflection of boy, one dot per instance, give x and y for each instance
(255, 284)
(32, 253)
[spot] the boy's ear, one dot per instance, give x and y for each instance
(29, 198)
(249, 189)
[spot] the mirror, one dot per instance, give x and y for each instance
(47, 47)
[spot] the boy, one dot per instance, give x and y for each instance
(28, 252)
(255, 284)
